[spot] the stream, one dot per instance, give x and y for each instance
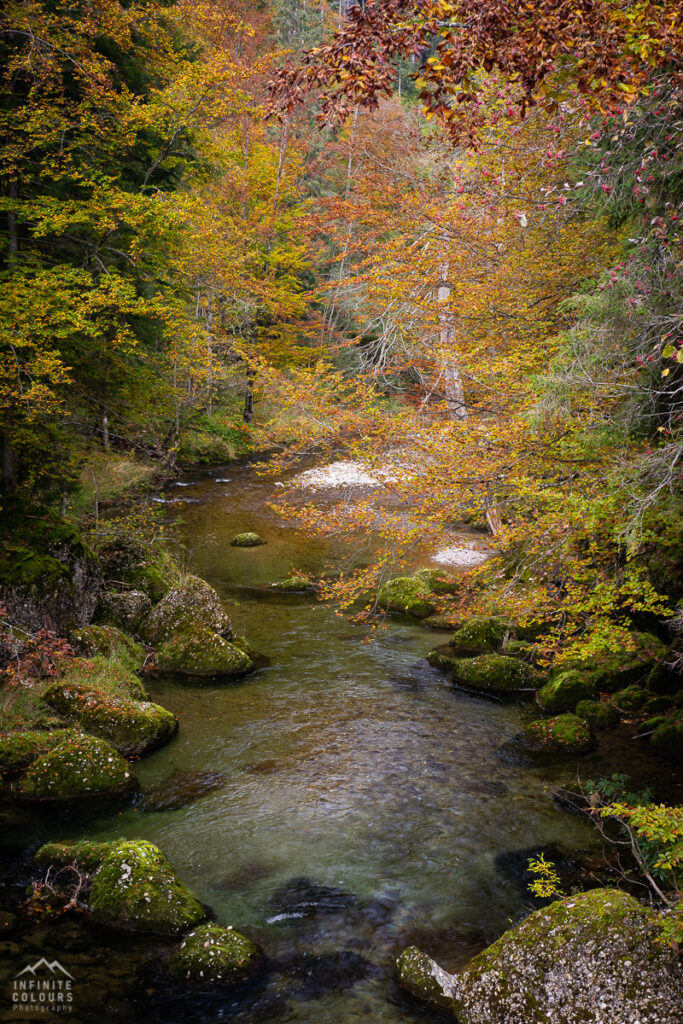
(342, 802)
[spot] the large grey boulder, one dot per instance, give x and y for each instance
(594, 958)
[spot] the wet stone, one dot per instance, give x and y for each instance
(182, 787)
(301, 897)
(325, 972)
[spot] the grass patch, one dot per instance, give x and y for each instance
(21, 706)
(107, 476)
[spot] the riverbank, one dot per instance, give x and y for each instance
(348, 762)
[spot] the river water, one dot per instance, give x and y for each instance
(349, 801)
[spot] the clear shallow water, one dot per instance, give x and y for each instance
(346, 761)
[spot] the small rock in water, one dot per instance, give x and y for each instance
(300, 897)
(181, 788)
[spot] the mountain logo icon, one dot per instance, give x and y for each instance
(53, 966)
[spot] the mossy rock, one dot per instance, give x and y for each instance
(663, 679)
(247, 540)
(588, 958)
(520, 649)
(442, 657)
(448, 622)
(294, 585)
(567, 733)
(614, 670)
(135, 728)
(564, 691)
(201, 652)
(660, 703)
(438, 581)
(84, 766)
(130, 562)
(110, 642)
(124, 609)
(86, 854)
(482, 634)
(219, 956)
(107, 675)
(20, 749)
(600, 713)
(49, 578)
(194, 605)
(631, 699)
(120, 556)
(495, 674)
(137, 890)
(408, 595)
(668, 738)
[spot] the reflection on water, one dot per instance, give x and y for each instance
(335, 805)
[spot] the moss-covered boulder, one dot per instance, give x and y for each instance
(409, 595)
(294, 585)
(247, 540)
(83, 766)
(137, 890)
(631, 699)
(589, 959)
(125, 609)
(481, 634)
(448, 622)
(495, 674)
(49, 578)
(201, 652)
(664, 679)
(615, 670)
(84, 853)
(600, 713)
(20, 749)
(564, 691)
(219, 956)
(109, 642)
(184, 609)
(567, 733)
(438, 581)
(442, 657)
(668, 737)
(129, 562)
(135, 728)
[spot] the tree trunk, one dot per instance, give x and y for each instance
(248, 414)
(452, 378)
(9, 466)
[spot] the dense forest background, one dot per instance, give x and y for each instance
(467, 253)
